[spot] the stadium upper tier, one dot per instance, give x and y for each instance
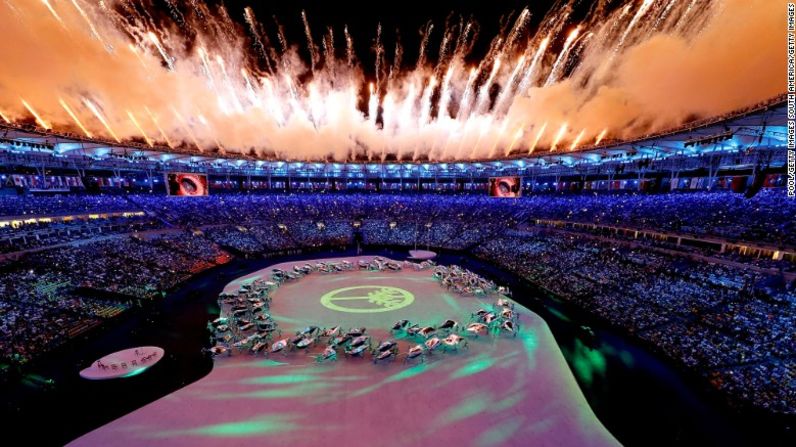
(759, 130)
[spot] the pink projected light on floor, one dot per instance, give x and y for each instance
(500, 391)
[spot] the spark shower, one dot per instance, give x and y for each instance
(547, 83)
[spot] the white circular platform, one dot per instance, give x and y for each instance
(126, 363)
(422, 255)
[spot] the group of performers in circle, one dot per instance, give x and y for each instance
(249, 327)
(464, 282)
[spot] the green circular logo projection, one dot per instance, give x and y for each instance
(367, 299)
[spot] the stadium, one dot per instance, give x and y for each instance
(561, 222)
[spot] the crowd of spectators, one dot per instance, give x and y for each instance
(41, 310)
(769, 216)
(36, 235)
(255, 223)
(712, 317)
(425, 219)
(12, 205)
(52, 295)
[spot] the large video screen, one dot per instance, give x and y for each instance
(186, 184)
(505, 186)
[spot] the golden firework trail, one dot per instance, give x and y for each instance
(101, 118)
(538, 137)
(140, 129)
(157, 126)
(75, 118)
(187, 129)
(559, 136)
(54, 13)
(39, 119)
(155, 41)
(91, 26)
(600, 137)
(517, 136)
(577, 140)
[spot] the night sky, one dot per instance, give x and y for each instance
(408, 17)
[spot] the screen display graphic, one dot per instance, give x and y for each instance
(505, 187)
(185, 184)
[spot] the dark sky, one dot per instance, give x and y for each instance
(407, 16)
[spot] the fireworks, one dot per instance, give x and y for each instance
(200, 80)
(75, 118)
(101, 118)
(39, 120)
(53, 12)
(559, 137)
(537, 139)
(577, 140)
(160, 129)
(140, 129)
(162, 51)
(600, 137)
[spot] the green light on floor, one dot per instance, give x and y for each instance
(467, 408)
(474, 366)
(36, 380)
(499, 434)
(269, 363)
(134, 372)
(261, 426)
(626, 358)
(303, 390)
(453, 303)
(506, 403)
(556, 313)
(530, 343)
(587, 363)
(366, 390)
(546, 424)
(408, 373)
(288, 320)
(277, 380)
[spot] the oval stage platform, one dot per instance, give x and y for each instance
(422, 255)
(501, 391)
(126, 363)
